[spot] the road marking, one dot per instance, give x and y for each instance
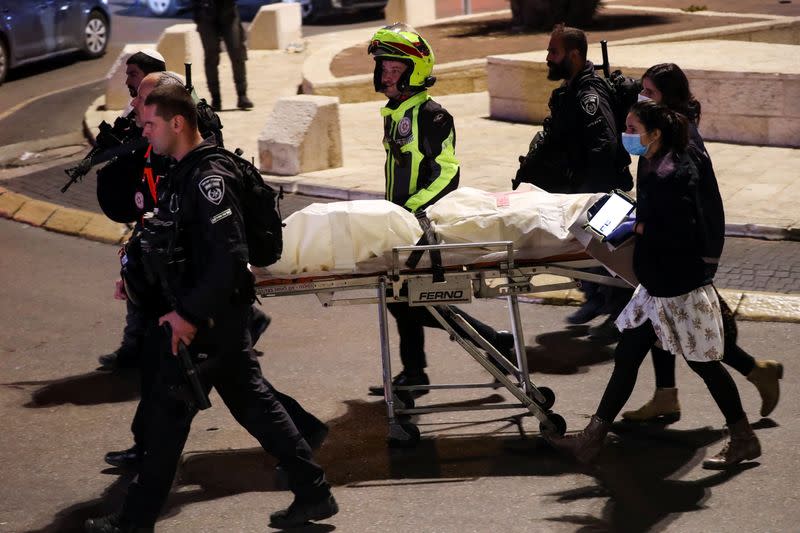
(20, 105)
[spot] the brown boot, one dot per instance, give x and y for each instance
(663, 408)
(585, 445)
(765, 376)
(743, 445)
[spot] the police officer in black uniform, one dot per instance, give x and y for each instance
(196, 250)
(219, 20)
(580, 148)
(133, 204)
(122, 197)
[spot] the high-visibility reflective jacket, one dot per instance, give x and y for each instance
(420, 142)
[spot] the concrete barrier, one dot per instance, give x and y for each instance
(179, 44)
(302, 134)
(412, 12)
(117, 95)
(275, 27)
(757, 105)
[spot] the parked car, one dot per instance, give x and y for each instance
(314, 9)
(31, 31)
(311, 9)
(169, 8)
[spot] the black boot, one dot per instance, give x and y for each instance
(128, 459)
(302, 511)
(216, 102)
(123, 357)
(244, 102)
(113, 523)
(405, 379)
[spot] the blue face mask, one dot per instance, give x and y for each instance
(642, 98)
(633, 144)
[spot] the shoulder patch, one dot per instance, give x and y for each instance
(404, 127)
(589, 103)
(213, 188)
(439, 117)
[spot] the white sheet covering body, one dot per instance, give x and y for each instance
(358, 236)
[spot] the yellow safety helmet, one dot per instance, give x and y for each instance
(400, 42)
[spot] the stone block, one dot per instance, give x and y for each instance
(275, 27)
(734, 128)
(179, 44)
(783, 131)
(302, 134)
(413, 12)
(117, 95)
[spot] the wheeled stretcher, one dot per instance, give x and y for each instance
(437, 286)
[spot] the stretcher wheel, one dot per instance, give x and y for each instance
(403, 435)
(549, 398)
(557, 425)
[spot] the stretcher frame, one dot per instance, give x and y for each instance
(507, 278)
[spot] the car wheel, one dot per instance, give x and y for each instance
(4, 60)
(162, 8)
(95, 35)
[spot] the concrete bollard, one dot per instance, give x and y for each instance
(413, 12)
(302, 134)
(275, 27)
(117, 95)
(179, 44)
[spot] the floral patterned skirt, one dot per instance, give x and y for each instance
(689, 325)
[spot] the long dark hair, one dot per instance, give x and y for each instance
(673, 85)
(674, 126)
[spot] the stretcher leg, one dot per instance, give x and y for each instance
(401, 433)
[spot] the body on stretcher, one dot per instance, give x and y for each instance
(436, 288)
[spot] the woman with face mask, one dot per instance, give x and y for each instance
(667, 84)
(674, 303)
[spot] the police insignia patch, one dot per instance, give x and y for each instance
(404, 127)
(138, 199)
(213, 188)
(589, 104)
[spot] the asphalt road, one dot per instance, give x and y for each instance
(472, 472)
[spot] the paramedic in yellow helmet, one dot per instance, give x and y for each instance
(421, 167)
(419, 135)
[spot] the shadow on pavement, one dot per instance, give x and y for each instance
(633, 473)
(73, 517)
(85, 389)
(566, 352)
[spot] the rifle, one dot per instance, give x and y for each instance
(190, 371)
(112, 141)
(187, 68)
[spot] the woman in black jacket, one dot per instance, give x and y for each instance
(667, 84)
(675, 302)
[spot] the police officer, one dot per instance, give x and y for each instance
(143, 200)
(421, 167)
(219, 20)
(198, 239)
(119, 191)
(579, 150)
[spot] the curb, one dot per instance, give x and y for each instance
(752, 306)
(53, 217)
